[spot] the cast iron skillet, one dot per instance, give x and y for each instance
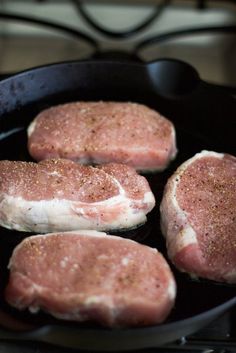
(204, 117)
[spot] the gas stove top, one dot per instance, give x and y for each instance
(202, 33)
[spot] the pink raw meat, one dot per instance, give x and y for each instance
(103, 132)
(198, 216)
(88, 275)
(61, 195)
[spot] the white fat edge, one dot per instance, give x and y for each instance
(31, 127)
(114, 200)
(121, 198)
(149, 198)
(199, 155)
(49, 210)
(5, 134)
(50, 219)
(118, 184)
(127, 204)
(172, 289)
(174, 149)
(205, 153)
(181, 169)
(154, 250)
(187, 235)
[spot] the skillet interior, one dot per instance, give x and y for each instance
(204, 118)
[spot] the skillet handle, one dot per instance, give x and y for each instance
(229, 90)
(173, 78)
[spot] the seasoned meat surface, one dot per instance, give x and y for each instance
(88, 275)
(103, 132)
(198, 215)
(61, 195)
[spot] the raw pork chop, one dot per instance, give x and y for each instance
(88, 275)
(102, 132)
(198, 216)
(60, 195)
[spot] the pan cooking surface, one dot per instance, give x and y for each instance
(202, 117)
